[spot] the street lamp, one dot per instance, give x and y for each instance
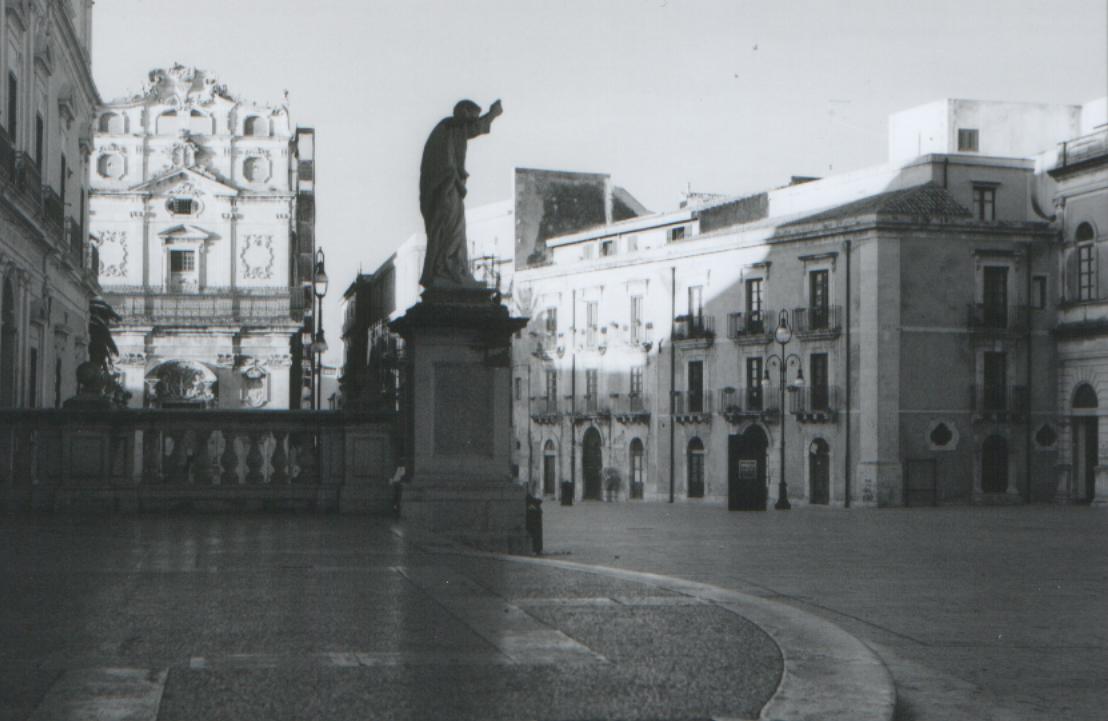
(319, 343)
(783, 335)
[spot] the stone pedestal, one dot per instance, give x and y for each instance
(457, 410)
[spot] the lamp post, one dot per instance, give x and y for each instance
(783, 335)
(319, 342)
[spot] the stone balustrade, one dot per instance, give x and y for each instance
(147, 460)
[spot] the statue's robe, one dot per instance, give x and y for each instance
(442, 192)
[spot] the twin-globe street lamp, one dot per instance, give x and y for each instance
(783, 335)
(316, 345)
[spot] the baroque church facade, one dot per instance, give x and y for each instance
(194, 216)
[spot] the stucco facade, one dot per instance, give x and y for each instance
(46, 282)
(195, 206)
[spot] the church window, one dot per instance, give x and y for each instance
(112, 123)
(255, 126)
(110, 165)
(256, 169)
(182, 261)
(181, 206)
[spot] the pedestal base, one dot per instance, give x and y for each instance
(489, 517)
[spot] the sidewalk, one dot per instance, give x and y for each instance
(327, 617)
(979, 613)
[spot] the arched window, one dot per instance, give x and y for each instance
(1084, 233)
(200, 124)
(636, 464)
(255, 126)
(167, 123)
(256, 170)
(113, 124)
(695, 476)
(1084, 397)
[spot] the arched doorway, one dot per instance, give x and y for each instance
(7, 346)
(182, 384)
(746, 470)
(1085, 429)
(636, 453)
(591, 463)
(819, 472)
(694, 477)
(549, 469)
(994, 465)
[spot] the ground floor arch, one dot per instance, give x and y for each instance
(549, 468)
(1085, 427)
(819, 472)
(994, 465)
(592, 464)
(746, 470)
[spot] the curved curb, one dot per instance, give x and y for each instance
(829, 675)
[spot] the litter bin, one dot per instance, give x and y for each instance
(534, 523)
(567, 493)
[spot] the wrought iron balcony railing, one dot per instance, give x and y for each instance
(814, 402)
(630, 408)
(691, 402)
(755, 327)
(999, 401)
(742, 401)
(996, 318)
(818, 320)
(694, 327)
(53, 208)
(273, 305)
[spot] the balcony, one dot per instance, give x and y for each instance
(75, 233)
(630, 408)
(694, 328)
(996, 319)
(737, 404)
(54, 212)
(995, 402)
(213, 306)
(590, 406)
(750, 327)
(1081, 151)
(546, 344)
(692, 406)
(544, 411)
(818, 321)
(815, 404)
(28, 183)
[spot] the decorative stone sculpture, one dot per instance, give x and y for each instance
(442, 191)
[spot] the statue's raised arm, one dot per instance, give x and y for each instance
(442, 191)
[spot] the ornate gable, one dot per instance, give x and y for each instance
(185, 181)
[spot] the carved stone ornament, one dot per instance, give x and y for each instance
(183, 153)
(257, 257)
(181, 86)
(255, 387)
(112, 247)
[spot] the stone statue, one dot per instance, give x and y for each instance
(442, 190)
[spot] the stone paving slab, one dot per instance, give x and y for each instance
(296, 617)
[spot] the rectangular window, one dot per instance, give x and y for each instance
(592, 384)
(13, 107)
(817, 364)
(967, 140)
(754, 384)
(677, 233)
(754, 320)
(995, 295)
(592, 323)
(996, 381)
(636, 319)
(552, 319)
(636, 382)
(1038, 292)
(984, 202)
(183, 261)
(696, 386)
(40, 139)
(607, 248)
(818, 300)
(1085, 273)
(551, 385)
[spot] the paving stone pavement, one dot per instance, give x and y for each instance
(144, 618)
(983, 613)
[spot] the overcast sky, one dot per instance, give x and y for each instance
(724, 96)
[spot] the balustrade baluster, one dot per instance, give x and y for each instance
(229, 461)
(179, 460)
(202, 460)
(151, 456)
(280, 458)
(306, 458)
(254, 459)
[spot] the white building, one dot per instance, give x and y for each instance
(46, 106)
(194, 213)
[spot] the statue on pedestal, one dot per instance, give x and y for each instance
(442, 191)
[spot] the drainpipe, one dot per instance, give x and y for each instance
(1030, 395)
(573, 392)
(672, 375)
(846, 454)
